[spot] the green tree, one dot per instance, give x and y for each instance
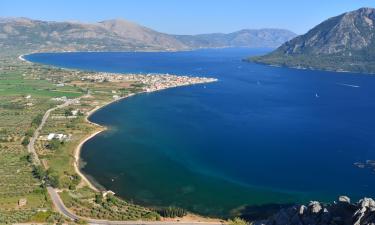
(37, 120)
(39, 172)
(25, 141)
(98, 198)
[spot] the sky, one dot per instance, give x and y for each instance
(188, 16)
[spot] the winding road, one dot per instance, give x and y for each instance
(66, 212)
(30, 146)
(59, 204)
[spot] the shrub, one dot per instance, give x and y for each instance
(172, 212)
(238, 221)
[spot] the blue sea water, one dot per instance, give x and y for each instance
(261, 135)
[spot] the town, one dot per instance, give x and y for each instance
(151, 82)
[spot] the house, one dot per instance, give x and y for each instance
(50, 136)
(106, 193)
(75, 112)
(60, 137)
(22, 202)
(61, 99)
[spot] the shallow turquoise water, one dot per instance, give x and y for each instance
(260, 135)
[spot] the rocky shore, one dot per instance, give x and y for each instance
(342, 212)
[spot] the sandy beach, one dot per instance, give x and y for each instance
(100, 128)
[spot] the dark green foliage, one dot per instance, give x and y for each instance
(53, 179)
(25, 141)
(172, 212)
(39, 172)
(98, 198)
(37, 120)
(68, 112)
(54, 144)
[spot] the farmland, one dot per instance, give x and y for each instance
(27, 92)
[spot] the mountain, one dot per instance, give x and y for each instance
(35, 35)
(262, 38)
(342, 43)
(24, 34)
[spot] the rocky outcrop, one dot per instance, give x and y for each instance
(315, 213)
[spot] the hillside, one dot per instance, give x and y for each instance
(263, 38)
(22, 34)
(342, 43)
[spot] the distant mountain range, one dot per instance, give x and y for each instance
(118, 35)
(342, 43)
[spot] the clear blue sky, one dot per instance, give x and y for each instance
(188, 16)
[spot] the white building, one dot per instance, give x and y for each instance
(59, 137)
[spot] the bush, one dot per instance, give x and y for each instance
(238, 221)
(39, 172)
(54, 144)
(172, 212)
(25, 141)
(37, 120)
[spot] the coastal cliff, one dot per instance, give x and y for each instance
(315, 213)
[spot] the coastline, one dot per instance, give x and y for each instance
(85, 180)
(100, 129)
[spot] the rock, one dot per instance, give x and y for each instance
(302, 209)
(316, 213)
(344, 198)
(315, 207)
(367, 202)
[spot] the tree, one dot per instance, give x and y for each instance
(25, 141)
(68, 112)
(37, 120)
(54, 144)
(98, 198)
(172, 212)
(39, 172)
(53, 179)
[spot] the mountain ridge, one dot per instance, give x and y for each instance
(342, 43)
(26, 34)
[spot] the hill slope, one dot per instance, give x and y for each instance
(24, 34)
(262, 38)
(342, 43)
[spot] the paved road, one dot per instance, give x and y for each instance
(58, 203)
(66, 212)
(30, 146)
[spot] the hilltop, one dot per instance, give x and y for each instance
(25, 35)
(342, 43)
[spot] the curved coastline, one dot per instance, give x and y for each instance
(100, 129)
(78, 149)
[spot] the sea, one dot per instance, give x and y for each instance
(260, 137)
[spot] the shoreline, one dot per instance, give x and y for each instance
(100, 129)
(85, 180)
